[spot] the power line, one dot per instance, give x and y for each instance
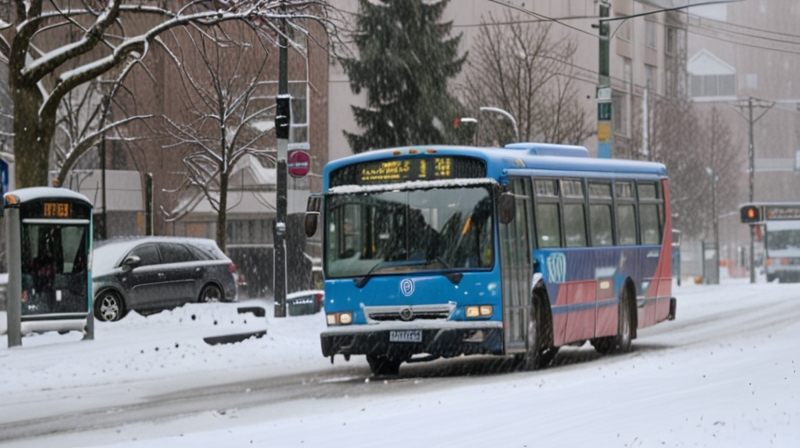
(761, 30)
(760, 47)
(542, 16)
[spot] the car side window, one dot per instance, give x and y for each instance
(201, 253)
(175, 253)
(147, 253)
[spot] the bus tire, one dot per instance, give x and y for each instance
(620, 343)
(770, 278)
(382, 365)
(539, 352)
(109, 306)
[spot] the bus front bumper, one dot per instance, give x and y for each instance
(440, 339)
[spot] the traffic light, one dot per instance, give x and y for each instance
(750, 214)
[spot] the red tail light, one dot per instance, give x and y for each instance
(319, 297)
(233, 268)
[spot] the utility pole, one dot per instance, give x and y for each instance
(751, 179)
(282, 117)
(751, 171)
(605, 149)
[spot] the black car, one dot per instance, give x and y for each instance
(156, 273)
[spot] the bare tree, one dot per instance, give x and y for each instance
(86, 117)
(688, 143)
(525, 70)
(36, 42)
(724, 160)
(229, 105)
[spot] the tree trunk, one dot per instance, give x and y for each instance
(32, 137)
(222, 214)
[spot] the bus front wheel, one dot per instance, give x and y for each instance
(384, 365)
(537, 355)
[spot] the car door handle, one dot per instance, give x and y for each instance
(161, 275)
(198, 269)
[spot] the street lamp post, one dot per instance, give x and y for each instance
(507, 115)
(715, 221)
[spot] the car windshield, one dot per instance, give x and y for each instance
(415, 230)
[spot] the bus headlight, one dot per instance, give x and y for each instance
(340, 318)
(479, 311)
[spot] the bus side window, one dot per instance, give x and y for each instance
(626, 225)
(649, 216)
(651, 233)
(601, 225)
(574, 213)
(625, 213)
(574, 225)
(547, 216)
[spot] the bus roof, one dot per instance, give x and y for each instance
(518, 156)
(38, 193)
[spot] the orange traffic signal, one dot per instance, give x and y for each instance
(750, 214)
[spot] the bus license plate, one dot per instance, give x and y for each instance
(405, 336)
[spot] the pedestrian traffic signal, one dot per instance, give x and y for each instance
(750, 214)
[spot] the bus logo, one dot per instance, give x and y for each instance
(557, 267)
(407, 287)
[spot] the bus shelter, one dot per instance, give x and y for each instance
(49, 244)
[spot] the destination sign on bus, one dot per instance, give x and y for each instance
(408, 170)
(55, 210)
(390, 171)
(783, 212)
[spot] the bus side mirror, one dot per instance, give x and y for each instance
(506, 207)
(312, 214)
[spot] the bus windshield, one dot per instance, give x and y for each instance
(414, 230)
(783, 239)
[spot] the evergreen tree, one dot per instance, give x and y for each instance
(405, 62)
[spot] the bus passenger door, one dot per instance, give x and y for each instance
(516, 268)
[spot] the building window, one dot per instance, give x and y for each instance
(650, 33)
(619, 112)
(651, 75)
(712, 85)
(671, 43)
(669, 83)
(624, 30)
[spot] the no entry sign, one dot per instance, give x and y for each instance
(299, 163)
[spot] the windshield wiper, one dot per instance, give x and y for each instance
(454, 277)
(361, 281)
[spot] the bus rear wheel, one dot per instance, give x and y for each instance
(382, 365)
(620, 343)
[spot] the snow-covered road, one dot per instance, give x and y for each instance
(724, 373)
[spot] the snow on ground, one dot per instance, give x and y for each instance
(713, 377)
(165, 344)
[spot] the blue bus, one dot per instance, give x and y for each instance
(443, 251)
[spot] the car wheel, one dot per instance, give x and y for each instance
(211, 293)
(109, 306)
